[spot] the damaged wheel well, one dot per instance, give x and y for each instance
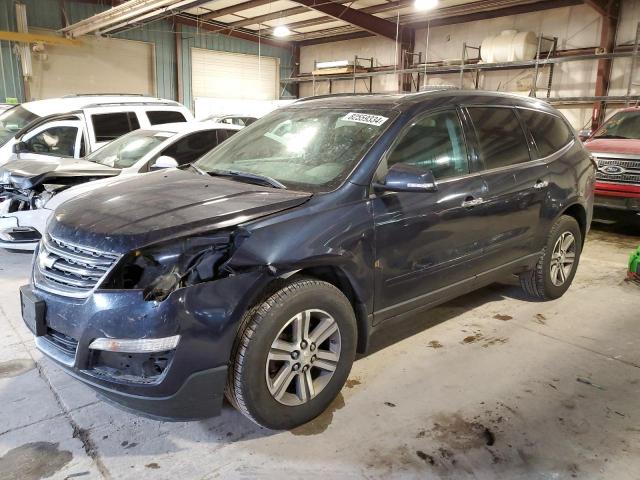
(578, 212)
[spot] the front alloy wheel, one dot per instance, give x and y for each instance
(292, 354)
(303, 357)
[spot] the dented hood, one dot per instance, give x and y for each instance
(26, 173)
(132, 212)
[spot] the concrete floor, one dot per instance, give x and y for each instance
(492, 392)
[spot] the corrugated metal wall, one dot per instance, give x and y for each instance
(47, 14)
(10, 78)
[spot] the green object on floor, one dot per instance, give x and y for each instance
(634, 264)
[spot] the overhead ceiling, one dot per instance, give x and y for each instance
(313, 20)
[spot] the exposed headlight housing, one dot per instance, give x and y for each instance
(160, 269)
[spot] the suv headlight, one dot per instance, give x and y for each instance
(160, 269)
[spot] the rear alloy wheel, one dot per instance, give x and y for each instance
(558, 261)
(562, 258)
(292, 354)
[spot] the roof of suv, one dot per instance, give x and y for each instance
(52, 106)
(403, 101)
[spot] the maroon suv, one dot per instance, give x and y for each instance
(616, 148)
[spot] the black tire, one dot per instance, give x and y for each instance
(537, 282)
(247, 388)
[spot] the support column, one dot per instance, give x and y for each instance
(179, 80)
(607, 43)
(407, 45)
(295, 70)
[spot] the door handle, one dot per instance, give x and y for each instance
(470, 202)
(540, 184)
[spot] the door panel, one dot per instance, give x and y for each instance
(503, 148)
(426, 241)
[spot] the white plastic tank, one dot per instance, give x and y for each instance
(509, 46)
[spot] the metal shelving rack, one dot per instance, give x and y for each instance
(543, 59)
(330, 78)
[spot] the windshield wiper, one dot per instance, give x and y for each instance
(249, 177)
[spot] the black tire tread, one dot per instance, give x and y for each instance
(532, 281)
(248, 326)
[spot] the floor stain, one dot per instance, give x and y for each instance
(472, 338)
(504, 318)
(153, 466)
(426, 457)
(33, 461)
(322, 421)
(460, 434)
(494, 341)
(389, 404)
(13, 368)
(352, 382)
(541, 319)
(435, 344)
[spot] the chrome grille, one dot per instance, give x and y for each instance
(629, 170)
(71, 269)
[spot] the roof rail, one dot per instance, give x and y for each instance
(74, 95)
(435, 88)
(167, 103)
(333, 95)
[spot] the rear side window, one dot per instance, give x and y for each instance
(500, 137)
(158, 117)
(188, 149)
(549, 132)
(109, 126)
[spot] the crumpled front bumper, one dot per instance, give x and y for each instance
(206, 317)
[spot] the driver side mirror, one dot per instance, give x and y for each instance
(20, 147)
(164, 161)
(402, 177)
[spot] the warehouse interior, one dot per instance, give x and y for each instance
(491, 384)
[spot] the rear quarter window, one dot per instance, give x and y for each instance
(501, 139)
(109, 126)
(550, 133)
(158, 117)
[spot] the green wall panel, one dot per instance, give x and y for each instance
(47, 14)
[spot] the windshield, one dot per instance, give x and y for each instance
(625, 125)
(309, 150)
(128, 149)
(14, 120)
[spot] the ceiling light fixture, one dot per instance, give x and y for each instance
(281, 31)
(425, 4)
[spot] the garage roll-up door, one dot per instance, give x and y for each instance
(233, 75)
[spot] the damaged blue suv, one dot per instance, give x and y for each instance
(261, 270)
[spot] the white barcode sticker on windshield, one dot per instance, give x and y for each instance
(367, 118)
